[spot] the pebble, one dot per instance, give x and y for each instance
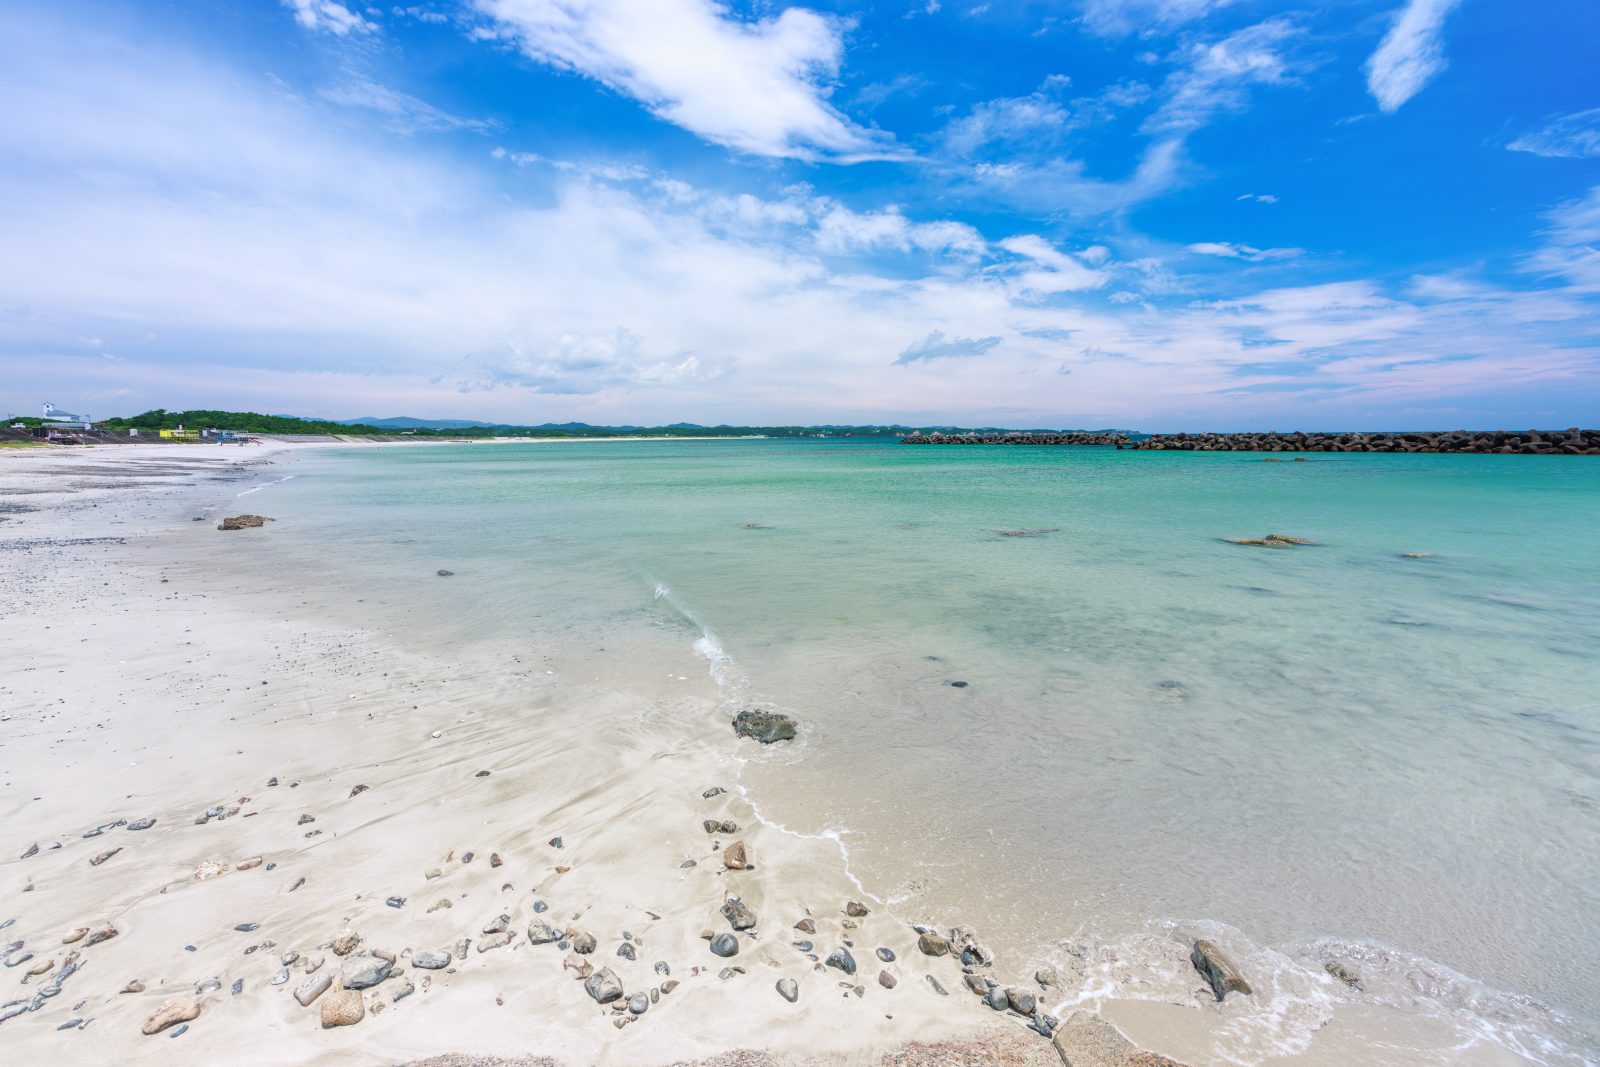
(886, 980)
(855, 909)
(583, 943)
(662, 968)
(495, 860)
(996, 998)
(141, 824)
(180, 1031)
(541, 933)
(803, 946)
(345, 942)
(555, 842)
(312, 988)
(842, 959)
(1021, 1001)
(540, 907)
(788, 989)
(626, 951)
(249, 865)
(396, 902)
(725, 944)
(70, 1024)
(806, 926)
(498, 925)
(932, 944)
(134, 986)
(281, 977)
(403, 992)
(481, 774)
(497, 941)
(668, 986)
(886, 955)
(208, 985)
(714, 791)
(431, 959)
(639, 1003)
(246, 928)
(358, 790)
(937, 988)
(734, 857)
(685, 865)
(102, 857)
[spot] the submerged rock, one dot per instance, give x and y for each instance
(764, 726)
(243, 522)
(725, 945)
(842, 959)
(789, 989)
(1218, 971)
(1343, 973)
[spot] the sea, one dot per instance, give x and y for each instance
(1042, 694)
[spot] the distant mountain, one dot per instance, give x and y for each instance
(403, 422)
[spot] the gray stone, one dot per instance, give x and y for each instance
(627, 952)
(603, 986)
(937, 988)
(886, 980)
(738, 916)
(431, 960)
(583, 943)
(541, 933)
(141, 824)
(789, 989)
(725, 945)
(842, 959)
(1021, 1001)
(886, 955)
(639, 1003)
(364, 971)
(312, 988)
(209, 985)
(500, 940)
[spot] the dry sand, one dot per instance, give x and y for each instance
(142, 676)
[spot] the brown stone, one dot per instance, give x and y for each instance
(734, 857)
(1218, 971)
(249, 864)
(177, 1010)
(243, 522)
(343, 1007)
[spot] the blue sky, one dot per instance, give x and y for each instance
(1164, 214)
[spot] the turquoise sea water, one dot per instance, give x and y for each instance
(1330, 750)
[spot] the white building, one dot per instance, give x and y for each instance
(54, 416)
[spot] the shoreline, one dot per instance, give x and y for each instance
(222, 699)
(671, 744)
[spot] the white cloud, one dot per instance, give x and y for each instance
(936, 346)
(1260, 198)
(759, 86)
(329, 16)
(1575, 136)
(1229, 250)
(841, 230)
(1005, 120)
(1411, 53)
(1051, 270)
(1112, 18)
(402, 113)
(1216, 75)
(1571, 246)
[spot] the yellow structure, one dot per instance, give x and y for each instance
(181, 434)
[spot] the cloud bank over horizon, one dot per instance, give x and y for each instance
(553, 210)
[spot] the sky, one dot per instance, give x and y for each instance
(1150, 214)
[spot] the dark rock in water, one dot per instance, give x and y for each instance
(555, 842)
(364, 972)
(842, 959)
(764, 726)
(855, 909)
(306, 818)
(932, 944)
(1022, 1002)
(887, 980)
(806, 926)
(481, 774)
(540, 907)
(603, 985)
(272, 781)
(714, 791)
(957, 684)
(725, 945)
(996, 998)
(711, 826)
(977, 983)
(886, 955)
(738, 916)
(789, 989)
(627, 951)
(803, 946)
(1218, 971)
(443, 573)
(1344, 974)
(238, 986)
(243, 522)
(246, 928)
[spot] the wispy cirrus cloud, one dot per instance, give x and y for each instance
(1116, 18)
(1575, 136)
(329, 16)
(401, 112)
(1411, 53)
(757, 86)
(1229, 250)
(936, 346)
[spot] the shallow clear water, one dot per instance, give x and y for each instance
(1160, 729)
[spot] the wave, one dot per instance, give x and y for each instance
(263, 485)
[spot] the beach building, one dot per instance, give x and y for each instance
(55, 418)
